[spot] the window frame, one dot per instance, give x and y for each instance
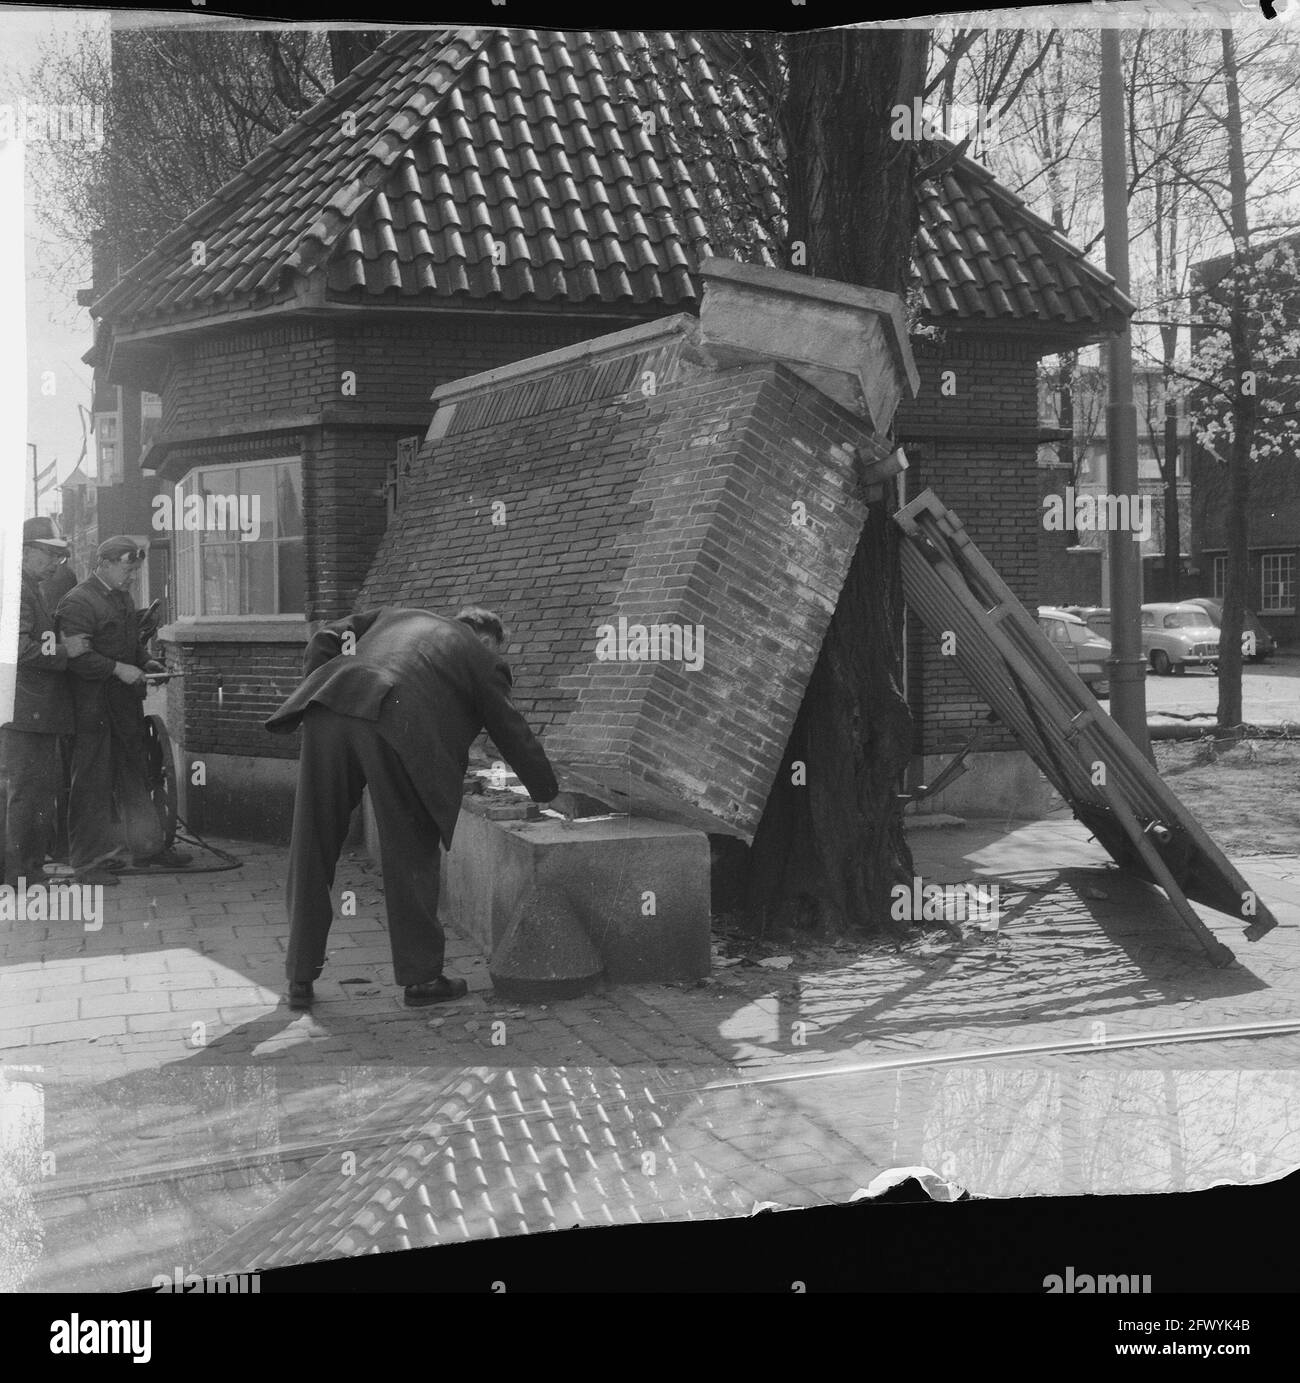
(1218, 577)
(1288, 563)
(189, 553)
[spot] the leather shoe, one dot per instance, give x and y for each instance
(301, 995)
(435, 992)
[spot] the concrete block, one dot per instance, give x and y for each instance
(850, 342)
(543, 898)
(1004, 784)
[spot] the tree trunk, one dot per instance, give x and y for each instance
(826, 853)
(349, 48)
(1244, 412)
(1173, 521)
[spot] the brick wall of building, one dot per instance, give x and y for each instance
(977, 449)
(1274, 526)
(228, 690)
(276, 373)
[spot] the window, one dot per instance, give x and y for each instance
(150, 417)
(1220, 577)
(1277, 570)
(220, 574)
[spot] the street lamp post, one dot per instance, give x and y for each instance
(1127, 667)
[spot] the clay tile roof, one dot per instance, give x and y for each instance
(522, 167)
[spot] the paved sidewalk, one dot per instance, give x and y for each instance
(189, 968)
(176, 1099)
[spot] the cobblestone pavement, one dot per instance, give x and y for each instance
(184, 1114)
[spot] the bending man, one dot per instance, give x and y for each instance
(393, 699)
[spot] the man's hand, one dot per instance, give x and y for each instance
(128, 673)
(562, 805)
(74, 645)
(153, 665)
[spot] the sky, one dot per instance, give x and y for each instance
(58, 331)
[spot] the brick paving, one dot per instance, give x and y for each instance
(192, 1117)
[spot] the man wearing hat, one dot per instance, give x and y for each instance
(111, 808)
(29, 743)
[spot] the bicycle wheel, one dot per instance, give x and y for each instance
(162, 775)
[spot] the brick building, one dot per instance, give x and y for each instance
(1274, 510)
(462, 201)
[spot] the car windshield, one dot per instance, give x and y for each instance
(1078, 633)
(1184, 619)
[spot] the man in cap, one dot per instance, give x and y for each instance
(29, 743)
(55, 586)
(111, 811)
(62, 578)
(393, 699)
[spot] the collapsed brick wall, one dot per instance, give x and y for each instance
(671, 509)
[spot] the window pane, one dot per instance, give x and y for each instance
(221, 579)
(217, 482)
(289, 500)
(185, 574)
(292, 555)
(258, 483)
(257, 578)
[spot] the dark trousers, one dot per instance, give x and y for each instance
(109, 803)
(28, 795)
(59, 844)
(340, 756)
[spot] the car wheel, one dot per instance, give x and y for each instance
(1213, 669)
(1160, 662)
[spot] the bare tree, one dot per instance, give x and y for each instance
(184, 111)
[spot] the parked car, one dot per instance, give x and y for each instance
(1096, 617)
(1177, 634)
(1083, 650)
(1256, 642)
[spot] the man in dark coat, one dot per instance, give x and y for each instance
(29, 743)
(55, 586)
(393, 699)
(111, 810)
